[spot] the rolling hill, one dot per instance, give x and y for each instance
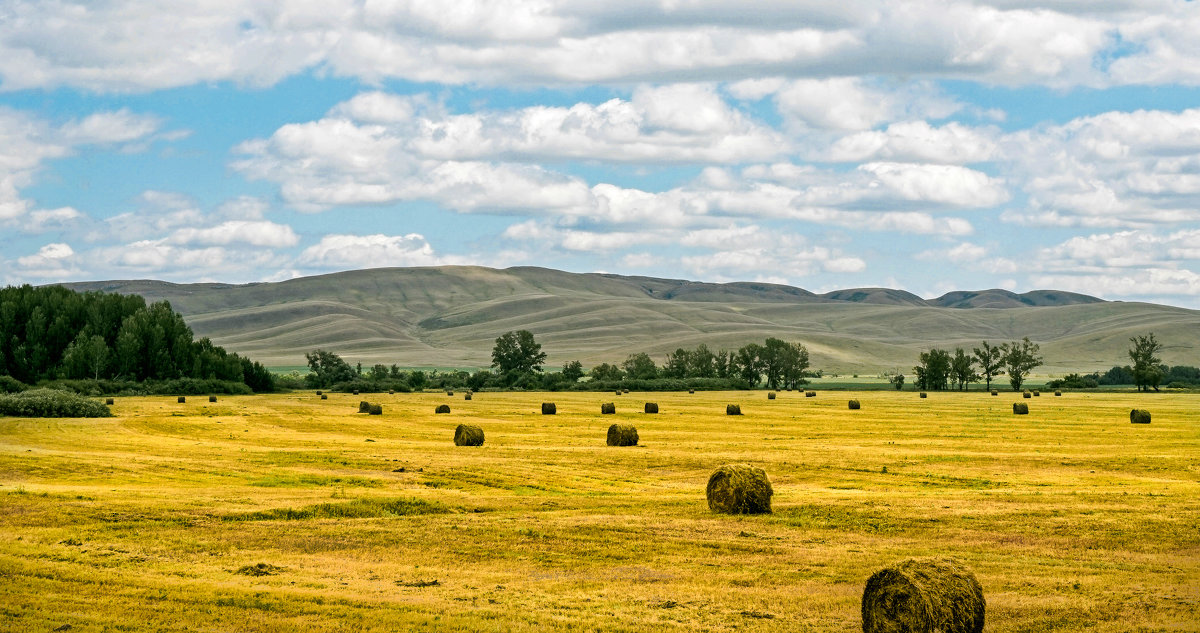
(450, 316)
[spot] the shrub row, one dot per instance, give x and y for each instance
(51, 403)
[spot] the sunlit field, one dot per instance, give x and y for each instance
(287, 512)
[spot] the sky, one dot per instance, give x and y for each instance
(926, 146)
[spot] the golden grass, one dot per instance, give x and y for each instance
(1072, 518)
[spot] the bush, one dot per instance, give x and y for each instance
(51, 403)
(8, 384)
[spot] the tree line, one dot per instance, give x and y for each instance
(53, 333)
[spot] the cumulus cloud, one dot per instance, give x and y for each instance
(147, 45)
(917, 141)
(372, 251)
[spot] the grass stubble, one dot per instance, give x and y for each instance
(1072, 518)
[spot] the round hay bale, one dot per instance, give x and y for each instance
(624, 391)
(622, 435)
(375, 409)
(1057, 393)
(855, 405)
(995, 393)
(924, 395)
(324, 396)
(1020, 408)
(356, 392)
(691, 391)
(364, 406)
(109, 401)
(212, 398)
(617, 392)
(770, 395)
(733, 409)
(608, 408)
(181, 400)
(1026, 394)
(548, 408)
(923, 594)
(1036, 393)
(318, 392)
(391, 392)
(449, 393)
(651, 407)
(810, 394)
(466, 396)
(468, 435)
(442, 408)
(739, 489)
(1139, 416)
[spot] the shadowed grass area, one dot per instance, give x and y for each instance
(277, 515)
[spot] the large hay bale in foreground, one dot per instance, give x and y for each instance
(375, 409)
(364, 406)
(733, 409)
(770, 395)
(810, 394)
(854, 404)
(468, 435)
(924, 395)
(212, 398)
(1139, 416)
(622, 435)
(923, 595)
(608, 408)
(548, 408)
(181, 400)
(651, 407)
(442, 408)
(1020, 408)
(739, 489)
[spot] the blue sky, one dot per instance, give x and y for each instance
(927, 146)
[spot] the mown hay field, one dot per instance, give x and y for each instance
(288, 512)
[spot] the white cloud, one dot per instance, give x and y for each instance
(254, 233)
(951, 185)
(856, 103)
(109, 127)
(917, 141)
(372, 251)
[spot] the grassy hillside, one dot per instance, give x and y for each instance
(450, 316)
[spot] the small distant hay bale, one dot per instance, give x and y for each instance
(324, 396)
(608, 408)
(739, 489)
(466, 396)
(995, 393)
(923, 594)
(617, 392)
(733, 409)
(449, 393)
(548, 408)
(108, 401)
(364, 406)
(468, 435)
(375, 409)
(624, 391)
(442, 408)
(181, 400)
(770, 395)
(651, 407)
(318, 392)
(356, 392)
(391, 392)
(810, 394)
(1057, 393)
(1020, 408)
(691, 391)
(622, 435)
(924, 395)
(1139, 416)
(854, 404)
(212, 398)
(1036, 393)
(1027, 394)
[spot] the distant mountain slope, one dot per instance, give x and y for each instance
(450, 317)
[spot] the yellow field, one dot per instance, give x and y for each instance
(1072, 518)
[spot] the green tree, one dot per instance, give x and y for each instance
(516, 354)
(962, 368)
(1147, 366)
(640, 367)
(933, 370)
(898, 381)
(1020, 357)
(991, 362)
(748, 361)
(606, 372)
(702, 363)
(678, 364)
(572, 371)
(328, 369)
(86, 356)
